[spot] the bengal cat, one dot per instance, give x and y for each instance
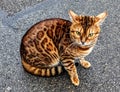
(54, 44)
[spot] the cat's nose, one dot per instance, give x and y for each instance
(83, 43)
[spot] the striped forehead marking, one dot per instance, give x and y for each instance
(86, 22)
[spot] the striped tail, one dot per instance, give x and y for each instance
(47, 72)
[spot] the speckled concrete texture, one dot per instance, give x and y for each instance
(16, 16)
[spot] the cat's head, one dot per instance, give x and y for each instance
(85, 29)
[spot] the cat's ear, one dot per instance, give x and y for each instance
(101, 17)
(73, 16)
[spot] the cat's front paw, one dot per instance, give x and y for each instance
(85, 64)
(75, 80)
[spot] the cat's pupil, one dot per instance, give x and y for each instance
(77, 32)
(91, 34)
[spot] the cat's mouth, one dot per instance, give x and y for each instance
(84, 45)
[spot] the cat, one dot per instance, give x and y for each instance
(53, 44)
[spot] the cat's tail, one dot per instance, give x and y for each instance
(47, 72)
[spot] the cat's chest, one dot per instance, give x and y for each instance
(85, 52)
(77, 52)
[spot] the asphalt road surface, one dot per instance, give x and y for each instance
(16, 16)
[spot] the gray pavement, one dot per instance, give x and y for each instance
(16, 16)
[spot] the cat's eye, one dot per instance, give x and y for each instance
(91, 34)
(78, 33)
